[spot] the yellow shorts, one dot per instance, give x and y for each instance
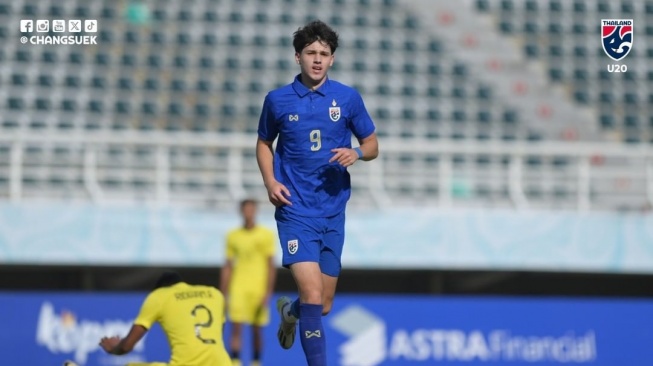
(246, 308)
(147, 364)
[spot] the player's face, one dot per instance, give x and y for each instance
(315, 61)
(249, 212)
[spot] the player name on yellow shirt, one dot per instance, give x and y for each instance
(187, 295)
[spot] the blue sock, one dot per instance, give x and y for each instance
(311, 333)
(294, 309)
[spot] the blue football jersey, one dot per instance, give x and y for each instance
(309, 124)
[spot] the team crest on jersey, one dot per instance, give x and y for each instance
(293, 245)
(334, 111)
(617, 37)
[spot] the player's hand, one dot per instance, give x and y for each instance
(344, 156)
(278, 194)
(266, 300)
(108, 344)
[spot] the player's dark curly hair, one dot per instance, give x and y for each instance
(168, 278)
(316, 30)
(247, 201)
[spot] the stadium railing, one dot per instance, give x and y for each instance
(410, 171)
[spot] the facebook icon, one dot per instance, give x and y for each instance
(26, 26)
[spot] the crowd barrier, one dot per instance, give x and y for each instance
(417, 238)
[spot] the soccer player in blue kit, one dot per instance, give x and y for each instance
(306, 177)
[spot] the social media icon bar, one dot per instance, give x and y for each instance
(58, 25)
(26, 26)
(90, 26)
(75, 26)
(42, 25)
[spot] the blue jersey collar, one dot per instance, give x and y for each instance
(302, 90)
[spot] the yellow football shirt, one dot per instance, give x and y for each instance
(192, 317)
(250, 250)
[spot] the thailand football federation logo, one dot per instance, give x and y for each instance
(334, 112)
(617, 37)
(293, 245)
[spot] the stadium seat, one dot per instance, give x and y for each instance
(210, 16)
(98, 82)
(202, 110)
(108, 13)
(648, 8)
(258, 64)
(45, 81)
(159, 15)
(96, 106)
(149, 108)
(175, 109)
(131, 37)
(151, 84)
(68, 105)
(180, 62)
(531, 50)
(83, 12)
(122, 107)
(228, 110)
(73, 82)
(433, 91)
(23, 55)
(581, 96)
(236, 17)
(261, 18)
(30, 9)
(556, 74)
(125, 84)
(178, 85)
(555, 6)
(458, 115)
(602, 6)
(203, 85)
(411, 22)
(206, 62)
(102, 59)
(43, 104)
(230, 86)
(184, 16)
(531, 28)
(506, 26)
(283, 65)
(631, 121)
(15, 104)
(19, 79)
(128, 60)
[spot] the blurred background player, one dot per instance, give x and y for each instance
(191, 316)
(248, 278)
(307, 179)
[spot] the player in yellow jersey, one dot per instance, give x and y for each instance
(192, 317)
(247, 279)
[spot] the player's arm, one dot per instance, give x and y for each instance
(147, 316)
(118, 346)
(225, 276)
(368, 150)
(277, 192)
(369, 147)
(272, 278)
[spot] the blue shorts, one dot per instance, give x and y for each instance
(312, 239)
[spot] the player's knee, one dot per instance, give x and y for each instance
(311, 296)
